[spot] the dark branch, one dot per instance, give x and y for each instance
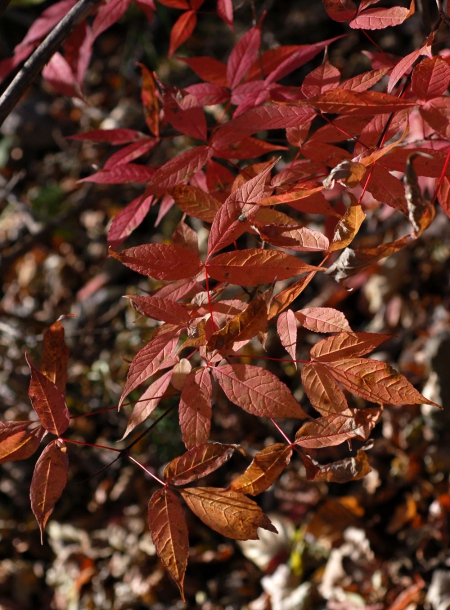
(42, 55)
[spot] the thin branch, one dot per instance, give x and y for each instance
(43, 54)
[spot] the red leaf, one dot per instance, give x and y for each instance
(61, 76)
(182, 29)
(405, 63)
(160, 261)
(243, 55)
(380, 18)
(324, 78)
(130, 153)
(150, 100)
(182, 111)
(387, 189)
(376, 381)
(291, 237)
(181, 4)
(335, 429)
(208, 94)
(113, 136)
(366, 103)
(179, 169)
(208, 69)
(340, 10)
(364, 81)
(17, 442)
(129, 172)
(431, 78)
(228, 512)
(148, 402)
(47, 21)
(323, 391)
(159, 353)
(108, 14)
(287, 331)
(225, 11)
(266, 467)
(195, 407)
(157, 308)
(257, 391)
(444, 195)
(170, 535)
(346, 345)
(48, 482)
(48, 402)
(197, 463)
(323, 320)
(195, 202)
(259, 119)
(248, 148)
(253, 267)
(233, 218)
(128, 219)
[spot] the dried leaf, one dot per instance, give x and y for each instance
(421, 212)
(266, 467)
(169, 532)
(347, 227)
(228, 512)
(342, 471)
(17, 442)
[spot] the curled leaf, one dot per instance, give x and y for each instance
(266, 467)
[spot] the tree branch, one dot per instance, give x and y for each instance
(43, 54)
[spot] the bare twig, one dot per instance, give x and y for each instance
(43, 54)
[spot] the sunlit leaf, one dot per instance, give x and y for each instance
(195, 407)
(323, 391)
(287, 331)
(346, 345)
(197, 462)
(17, 442)
(323, 320)
(266, 467)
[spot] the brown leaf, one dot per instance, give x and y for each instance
(348, 226)
(346, 345)
(48, 402)
(55, 355)
(347, 173)
(170, 535)
(285, 297)
(264, 470)
(197, 462)
(17, 442)
(323, 391)
(244, 326)
(420, 211)
(195, 408)
(228, 512)
(342, 471)
(49, 481)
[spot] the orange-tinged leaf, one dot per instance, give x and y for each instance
(387, 189)
(244, 326)
(160, 261)
(47, 401)
(347, 173)
(257, 391)
(342, 471)
(169, 532)
(17, 442)
(266, 467)
(296, 194)
(160, 309)
(159, 353)
(347, 227)
(287, 331)
(195, 202)
(323, 320)
(48, 482)
(346, 345)
(197, 462)
(228, 512)
(323, 391)
(368, 157)
(150, 101)
(195, 407)
(323, 78)
(148, 402)
(284, 298)
(444, 195)
(254, 267)
(294, 237)
(364, 81)
(182, 29)
(179, 169)
(335, 429)
(376, 381)
(55, 355)
(420, 211)
(365, 103)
